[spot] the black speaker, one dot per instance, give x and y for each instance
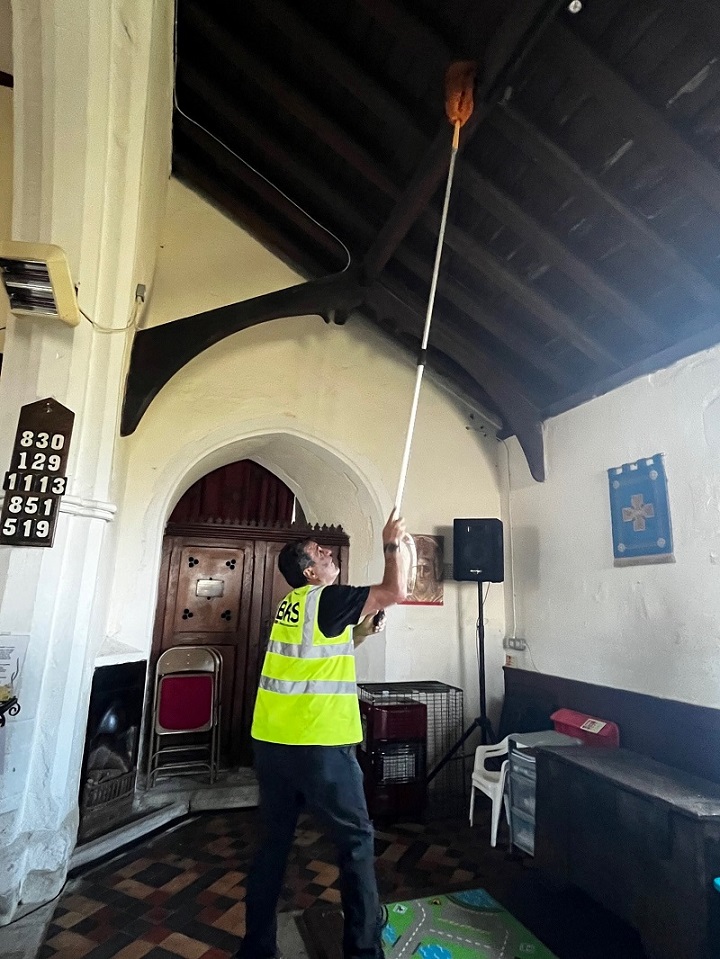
(478, 550)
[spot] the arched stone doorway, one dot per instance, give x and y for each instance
(220, 585)
(329, 487)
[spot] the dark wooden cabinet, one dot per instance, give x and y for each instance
(641, 838)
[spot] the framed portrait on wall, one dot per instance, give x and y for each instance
(425, 586)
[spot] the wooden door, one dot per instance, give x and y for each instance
(208, 602)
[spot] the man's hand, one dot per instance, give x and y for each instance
(367, 626)
(393, 588)
(394, 530)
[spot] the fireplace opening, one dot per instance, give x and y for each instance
(107, 784)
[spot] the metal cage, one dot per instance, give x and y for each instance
(445, 722)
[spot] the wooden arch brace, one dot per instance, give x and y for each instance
(160, 352)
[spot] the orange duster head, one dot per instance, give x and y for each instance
(459, 83)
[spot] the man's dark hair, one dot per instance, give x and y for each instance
(292, 561)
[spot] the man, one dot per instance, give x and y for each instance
(305, 727)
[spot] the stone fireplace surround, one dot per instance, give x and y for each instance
(114, 769)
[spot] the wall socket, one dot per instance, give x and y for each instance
(514, 643)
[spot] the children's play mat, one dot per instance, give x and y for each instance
(461, 925)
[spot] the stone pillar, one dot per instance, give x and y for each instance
(92, 103)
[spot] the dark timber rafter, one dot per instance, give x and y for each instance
(233, 51)
(477, 313)
(549, 247)
(517, 34)
(519, 131)
(160, 352)
(343, 70)
(511, 283)
(359, 84)
(331, 203)
(493, 199)
(522, 416)
(621, 100)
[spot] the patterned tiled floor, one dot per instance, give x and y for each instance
(181, 894)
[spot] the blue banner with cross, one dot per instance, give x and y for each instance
(640, 512)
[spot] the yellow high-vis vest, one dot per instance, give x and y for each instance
(308, 692)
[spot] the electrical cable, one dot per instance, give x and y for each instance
(532, 658)
(116, 329)
(241, 159)
(511, 544)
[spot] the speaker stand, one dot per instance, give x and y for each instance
(481, 721)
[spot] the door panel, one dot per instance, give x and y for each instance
(200, 613)
(210, 580)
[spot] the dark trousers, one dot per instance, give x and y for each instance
(327, 781)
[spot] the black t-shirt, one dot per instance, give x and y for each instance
(340, 607)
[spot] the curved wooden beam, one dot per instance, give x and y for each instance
(160, 352)
(520, 413)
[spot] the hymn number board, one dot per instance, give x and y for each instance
(36, 479)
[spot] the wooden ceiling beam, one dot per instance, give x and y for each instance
(520, 413)
(704, 340)
(517, 34)
(345, 71)
(558, 255)
(643, 120)
(443, 371)
(287, 97)
(507, 280)
(470, 306)
(161, 351)
(385, 106)
(539, 148)
(404, 25)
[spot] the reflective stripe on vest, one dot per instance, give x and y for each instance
(318, 687)
(310, 652)
(307, 693)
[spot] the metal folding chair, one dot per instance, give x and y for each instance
(186, 705)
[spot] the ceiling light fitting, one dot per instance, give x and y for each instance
(37, 280)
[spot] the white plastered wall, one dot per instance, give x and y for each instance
(83, 75)
(325, 408)
(6, 130)
(6, 37)
(6, 161)
(652, 629)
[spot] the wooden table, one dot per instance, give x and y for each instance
(641, 838)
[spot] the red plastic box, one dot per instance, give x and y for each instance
(592, 731)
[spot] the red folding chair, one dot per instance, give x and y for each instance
(186, 706)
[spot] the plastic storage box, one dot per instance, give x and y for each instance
(521, 782)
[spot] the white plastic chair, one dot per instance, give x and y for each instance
(490, 782)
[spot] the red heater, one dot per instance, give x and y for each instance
(393, 756)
